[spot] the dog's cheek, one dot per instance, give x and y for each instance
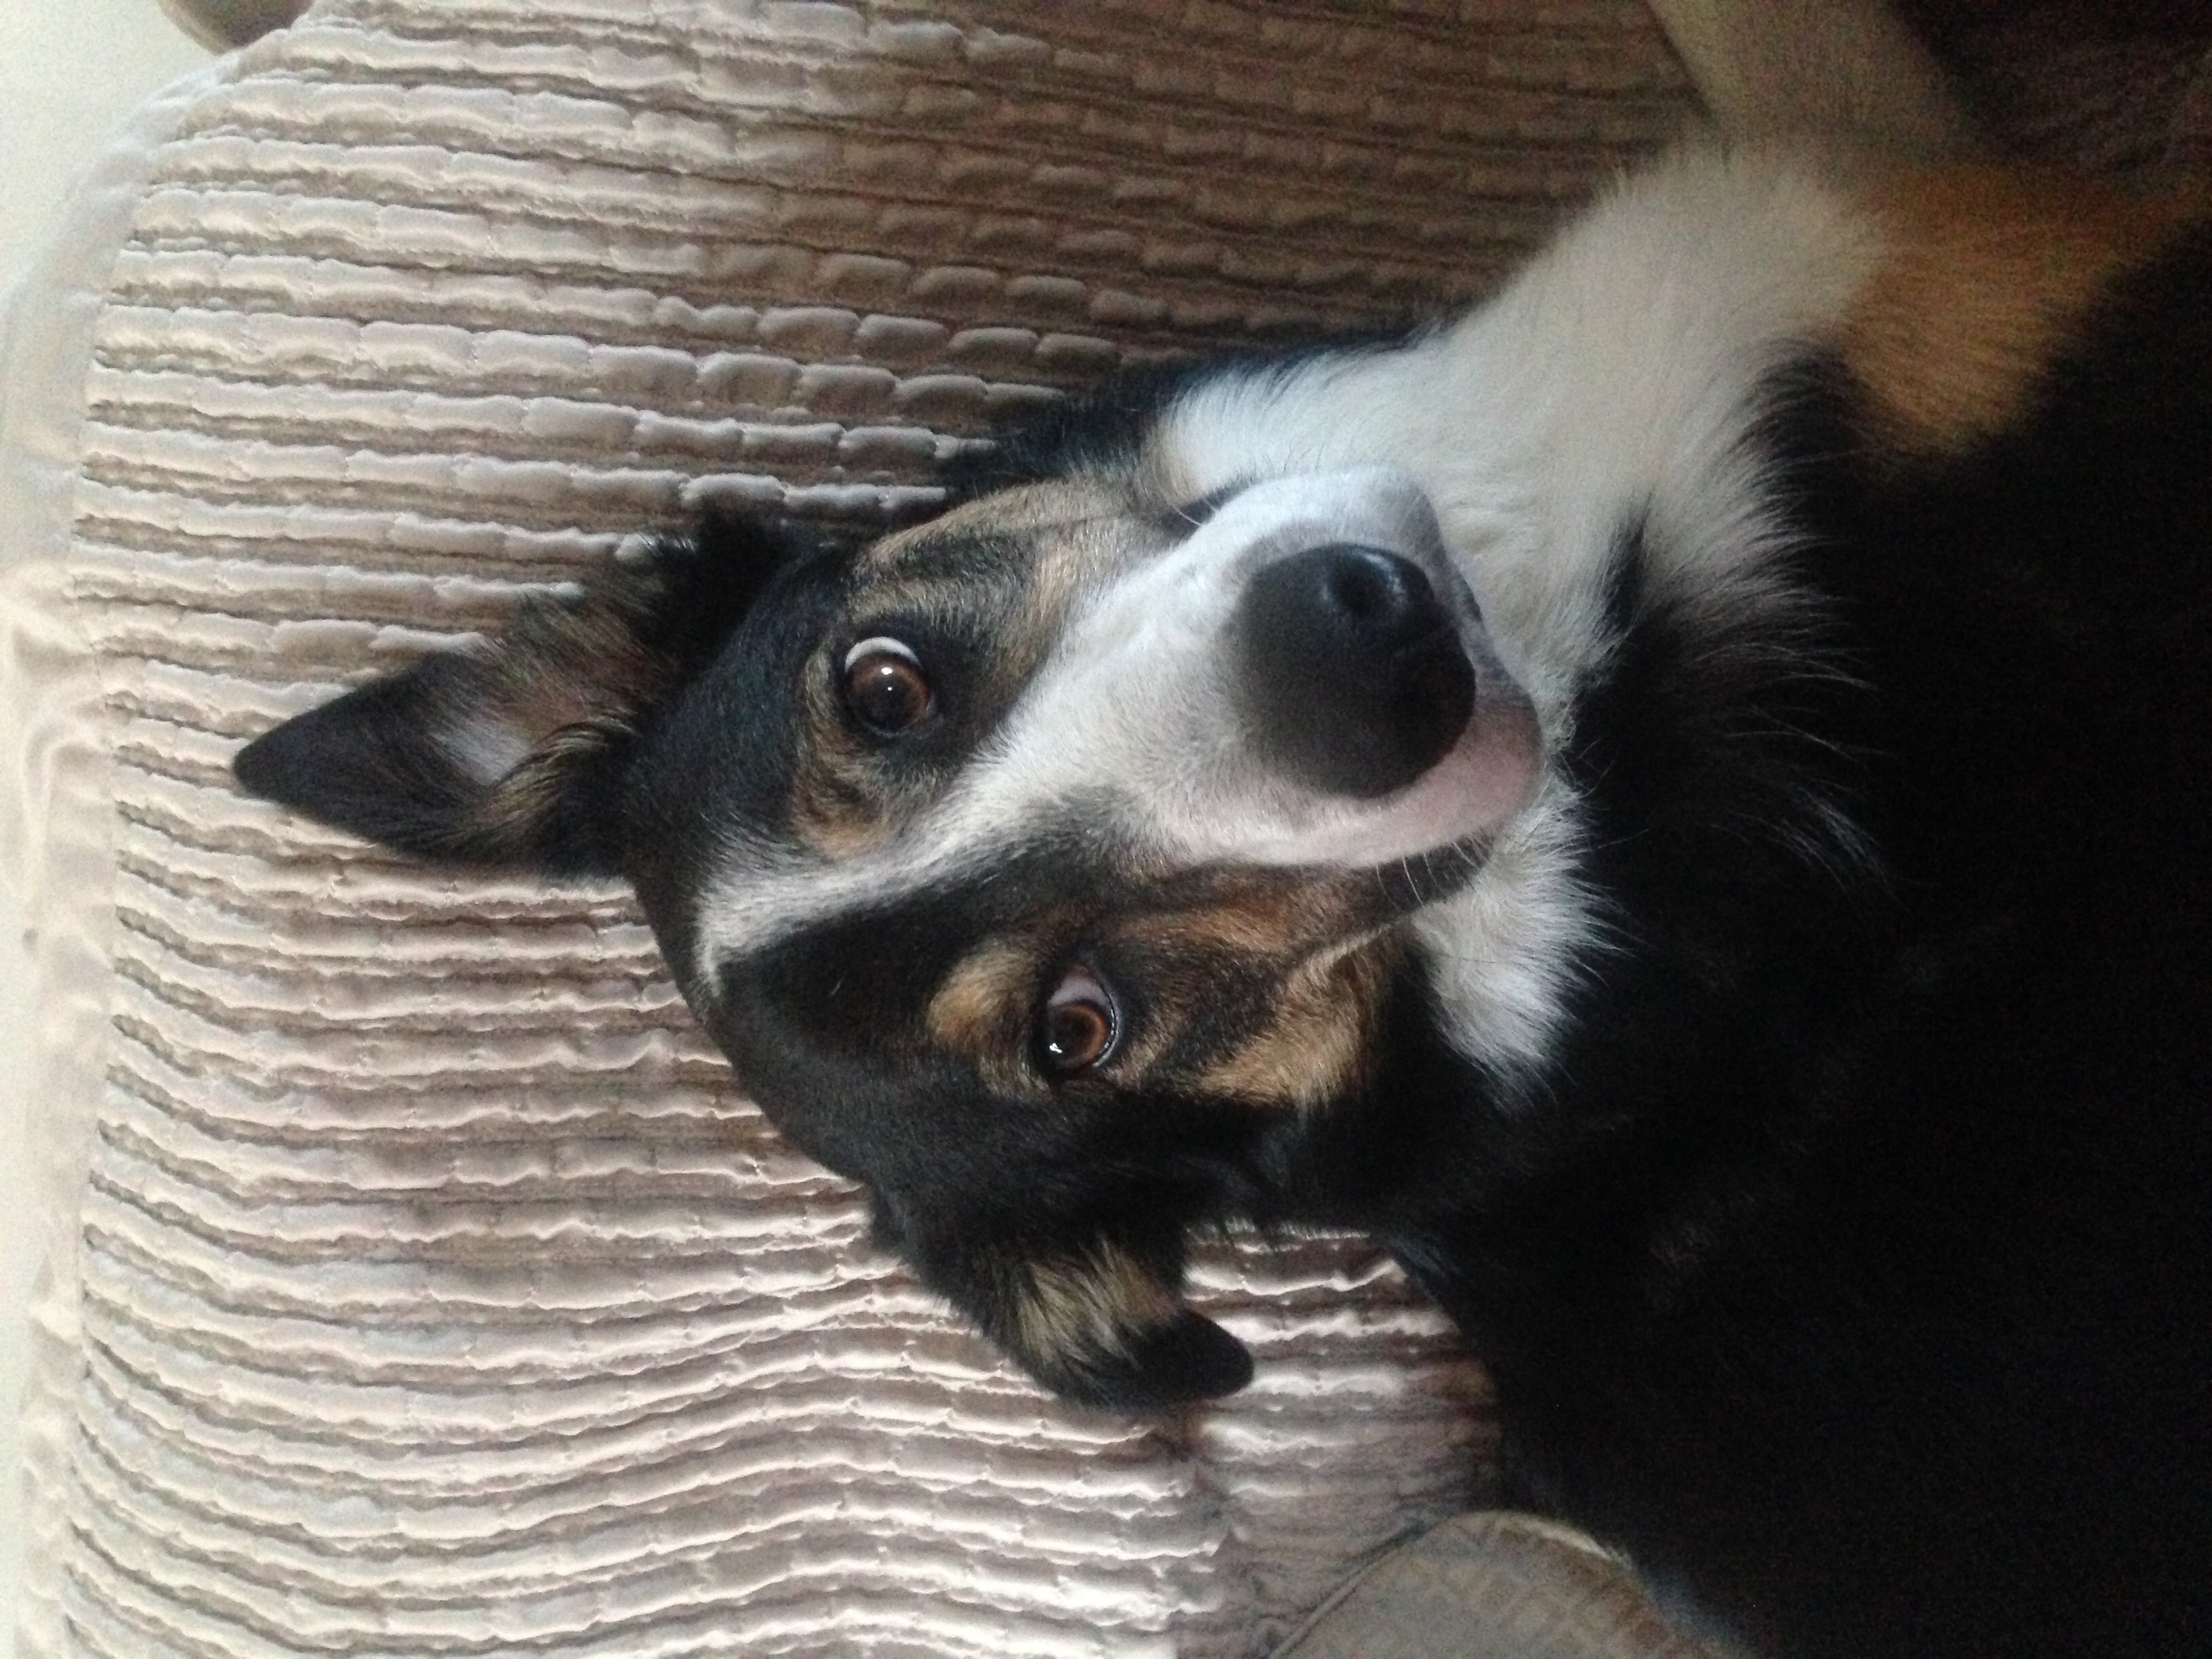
(1318, 1041)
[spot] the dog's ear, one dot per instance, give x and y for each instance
(1105, 1328)
(513, 754)
(1100, 1320)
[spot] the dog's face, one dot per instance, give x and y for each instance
(1029, 864)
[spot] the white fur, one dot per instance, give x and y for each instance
(485, 746)
(1137, 696)
(1134, 714)
(1616, 375)
(1615, 382)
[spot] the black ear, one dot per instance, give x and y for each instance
(513, 754)
(1101, 1321)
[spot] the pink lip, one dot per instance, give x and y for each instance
(1482, 780)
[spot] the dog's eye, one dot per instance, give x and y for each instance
(886, 688)
(1078, 1026)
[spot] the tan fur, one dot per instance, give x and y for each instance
(1072, 1313)
(843, 802)
(839, 808)
(834, 819)
(566, 667)
(1025, 509)
(1070, 559)
(1330, 971)
(982, 1010)
(1321, 1039)
(1987, 274)
(840, 805)
(528, 795)
(1309, 936)
(1267, 916)
(566, 683)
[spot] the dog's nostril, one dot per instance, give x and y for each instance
(1361, 591)
(1370, 588)
(1350, 672)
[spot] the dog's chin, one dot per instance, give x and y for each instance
(1477, 785)
(1482, 781)
(1461, 801)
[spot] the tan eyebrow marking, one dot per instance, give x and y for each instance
(835, 818)
(1024, 509)
(1049, 543)
(969, 1011)
(834, 811)
(981, 1011)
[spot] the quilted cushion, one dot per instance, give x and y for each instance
(1494, 1585)
(414, 1279)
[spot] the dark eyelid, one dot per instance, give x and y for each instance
(904, 626)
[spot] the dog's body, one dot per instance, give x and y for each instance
(1678, 801)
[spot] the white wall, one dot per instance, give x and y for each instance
(69, 71)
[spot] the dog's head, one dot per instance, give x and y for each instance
(1028, 863)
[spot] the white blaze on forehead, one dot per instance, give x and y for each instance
(1618, 379)
(1138, 701)
(1135, 709)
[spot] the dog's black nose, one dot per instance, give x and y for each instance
(1349, 670)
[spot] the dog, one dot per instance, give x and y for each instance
(1677, 800)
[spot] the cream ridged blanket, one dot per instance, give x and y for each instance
(414, 1279)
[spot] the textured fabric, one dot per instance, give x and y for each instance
(57, 819)
(1493, 1586)
(418, 1281)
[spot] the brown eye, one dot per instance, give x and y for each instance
(1078, 1026)
(886, 688)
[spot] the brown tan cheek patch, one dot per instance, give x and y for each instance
(1988, 274)
(1317, 1046)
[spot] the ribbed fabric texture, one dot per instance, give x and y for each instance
(436, 1291)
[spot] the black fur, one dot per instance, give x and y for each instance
(1846, 1263)
(1853, 1273)
(368, 762)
